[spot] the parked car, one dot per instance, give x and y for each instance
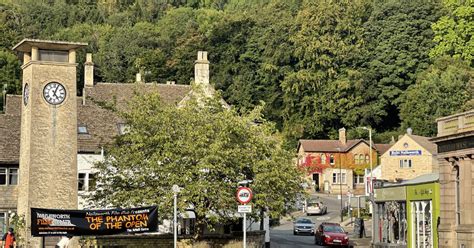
(303, 225)
(315, 207)
(331, 234)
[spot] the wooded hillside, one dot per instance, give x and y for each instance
(316, 65)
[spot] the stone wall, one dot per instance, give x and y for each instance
(255, 239)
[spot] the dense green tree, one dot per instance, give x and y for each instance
(9, 74)
(205, 149)
(328, 44)
(398, 37)
(454, 31)
(440, 90)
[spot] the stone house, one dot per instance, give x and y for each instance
(455, 140)
(96, 126)
(337, 165)
(411, 156)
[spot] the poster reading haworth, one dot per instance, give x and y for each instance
(55, 222)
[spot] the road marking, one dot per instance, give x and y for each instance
(323, 218)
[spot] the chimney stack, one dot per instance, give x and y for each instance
(342, 136)
(89, 71)
(201, 68)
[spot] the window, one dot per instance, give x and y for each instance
(367, 159)
(358, 179)
(323, 158)
(82, 129)
(331, 159)
(57, 56)
(356, 159)
(86, 181)
(361, 159)
(405, 163)
(3, 176)
(336, 178)
(12, 176)
(3, 222)
(81, 182)
(91, 182)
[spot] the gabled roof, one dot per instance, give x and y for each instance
(425, 143)
(101, 124)
(328, 145)
(382, 148)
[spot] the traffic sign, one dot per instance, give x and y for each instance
(245, 209)
(244, 195)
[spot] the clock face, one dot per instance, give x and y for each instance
(54, 93)
(26, 94)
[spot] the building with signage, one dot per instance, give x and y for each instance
(406, 213)
(455, 140)
(411, 156)
(335, 165)
(49, 133)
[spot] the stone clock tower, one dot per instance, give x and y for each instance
(48, 146)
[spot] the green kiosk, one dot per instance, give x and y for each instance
(423, 212)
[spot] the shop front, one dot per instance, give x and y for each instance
(423, 206)
(390, 216)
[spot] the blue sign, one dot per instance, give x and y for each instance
(406, 153)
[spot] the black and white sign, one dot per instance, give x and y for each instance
(244, 195)
(245, 209)
(406, 153)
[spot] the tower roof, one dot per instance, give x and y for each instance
(26, 44)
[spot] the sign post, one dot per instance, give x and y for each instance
(244, 195)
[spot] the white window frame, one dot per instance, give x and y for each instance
(336, 178)
(358, 179)
(4, 173)
(10, 173)
(323, 158)
(406, 163)
(86, 180)
(82, 129)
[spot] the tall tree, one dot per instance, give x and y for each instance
(328, 44)
(203, 148)
(442, 89)
(454, 31)
(398, 37)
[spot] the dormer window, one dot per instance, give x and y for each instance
(51, 55)
(82, 129)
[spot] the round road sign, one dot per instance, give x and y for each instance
(244, 195)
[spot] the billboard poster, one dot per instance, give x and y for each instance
(56, 222)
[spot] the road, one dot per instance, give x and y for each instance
(282, 236)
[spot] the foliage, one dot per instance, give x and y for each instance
(454, 31)
(398, 38)
(440, 90)
(18, 224)
(203, 148)
(9, 74)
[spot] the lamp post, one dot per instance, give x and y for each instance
(340, 179)
(176, 190)
(371, 189)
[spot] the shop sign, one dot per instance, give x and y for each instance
(56, 222)
(406, 153)
(457, 144)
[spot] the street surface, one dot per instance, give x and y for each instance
(282, 236)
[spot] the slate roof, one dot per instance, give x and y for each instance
(327, 145)
(425, 143)
(102, 124)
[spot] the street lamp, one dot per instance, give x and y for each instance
(371, 192)
(176, 190)
(340, 180)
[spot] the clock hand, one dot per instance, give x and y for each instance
(57, 87)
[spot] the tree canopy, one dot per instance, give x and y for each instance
(203, 148)
(317, 65)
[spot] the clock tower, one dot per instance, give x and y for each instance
(48, 145)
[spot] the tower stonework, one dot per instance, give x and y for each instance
(48, 143)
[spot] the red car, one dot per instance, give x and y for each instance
(331, 234)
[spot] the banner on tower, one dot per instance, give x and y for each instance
(56, 222)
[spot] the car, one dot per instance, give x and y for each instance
(303, 225)
(331, 234)
(315, 207)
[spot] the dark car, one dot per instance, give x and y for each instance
(331, 234)
(303, 225)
